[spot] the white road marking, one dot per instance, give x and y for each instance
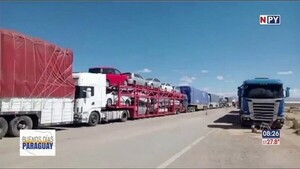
(184, 150)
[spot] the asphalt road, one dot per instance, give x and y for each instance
(192, 140)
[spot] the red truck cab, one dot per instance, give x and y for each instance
(113, 75)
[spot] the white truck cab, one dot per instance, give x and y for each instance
(90, 97)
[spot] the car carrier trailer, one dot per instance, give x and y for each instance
(144, 102)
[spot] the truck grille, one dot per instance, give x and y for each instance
(263, 111)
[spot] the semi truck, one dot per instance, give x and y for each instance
(262, 100)
(196, 99)
(226, 101)
(38, 88)
(229, 101)
(223, 102)
(214, 101)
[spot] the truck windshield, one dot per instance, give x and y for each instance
(102, 70)
(264, 91)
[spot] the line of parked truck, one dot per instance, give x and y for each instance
(38, 88)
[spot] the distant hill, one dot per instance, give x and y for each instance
(293, 99)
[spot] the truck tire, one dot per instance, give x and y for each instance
(124, 116)
(18, 123)
(94, 119)
(3, 127)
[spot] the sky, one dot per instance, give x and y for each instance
(213, 46)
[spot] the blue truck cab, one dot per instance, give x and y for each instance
(262, 100)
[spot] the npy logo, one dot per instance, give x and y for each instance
(269, 19)
(37, 143)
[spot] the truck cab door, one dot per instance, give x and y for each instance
(88, 102)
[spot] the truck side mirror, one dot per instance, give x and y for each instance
(287, 92)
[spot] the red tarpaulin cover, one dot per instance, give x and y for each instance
(30, 67)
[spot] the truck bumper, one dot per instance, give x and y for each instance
(248, 120)
(79, 119)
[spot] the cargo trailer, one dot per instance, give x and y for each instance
(196, 99)
(214, 101)
(36, 84)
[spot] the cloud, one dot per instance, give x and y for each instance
(220, 77)
(187, 80)
(285, 73)
(204, 71)
(294, 92)
(145, 70)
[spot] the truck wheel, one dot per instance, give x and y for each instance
(19, 123)
(3, 127)
(124, 116)
(94, 119)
